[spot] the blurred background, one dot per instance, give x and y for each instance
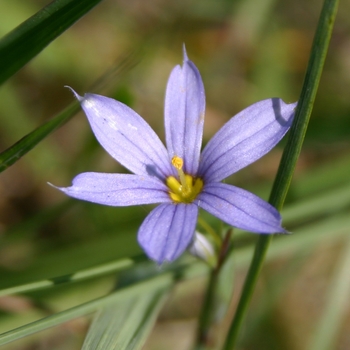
(246, 51)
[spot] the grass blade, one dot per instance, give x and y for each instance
(336, 305)
(160, 281)
(24, 42)
(153, 280)
(28, 142)
(93, 272)
(125, 325)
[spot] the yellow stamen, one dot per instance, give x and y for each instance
(179, 194)
(186, 188)
(178, 162)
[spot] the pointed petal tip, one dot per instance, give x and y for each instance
(50, 184)
(77, 96)
(276, 231)
(284, 232)
(184, 52)
(62, 189)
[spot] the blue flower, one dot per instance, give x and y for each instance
(180, 178)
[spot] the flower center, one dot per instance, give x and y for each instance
(187, 188)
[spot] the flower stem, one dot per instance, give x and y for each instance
(206, 317)
(289, 157)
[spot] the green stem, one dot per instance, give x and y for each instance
(206, 317)
(289, 157)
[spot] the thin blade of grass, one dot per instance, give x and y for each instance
(125, 325)
(24, 42)
(325, 203)
(122, 295)
(155, 280)
(95, 271)
(336, 306)
(28, 142)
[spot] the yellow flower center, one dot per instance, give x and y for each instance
(187, 188)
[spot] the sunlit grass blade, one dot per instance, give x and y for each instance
(96, 271)
(28, 142)
(161, 281)
(336, 306)
(289, 157)
(126, 324)
(325, 203)
(326, 176)
(325, 230)
(29, 38)
(156, 281)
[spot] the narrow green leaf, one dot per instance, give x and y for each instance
(32, 36)
(125, 325)
(24, 145)
(336, 306)
(325, 203)
(122, 295)
(28, 142)
(96, 271)
(161, 281)
(328, 175)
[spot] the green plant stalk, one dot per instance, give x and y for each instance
(206, 317)
(289, 157)
(207, 312)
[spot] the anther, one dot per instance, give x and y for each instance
(178, 162)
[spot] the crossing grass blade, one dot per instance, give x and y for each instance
(330, 228)
(126, 324)
(28, 142)
(95, 271)
(161, 281)
(336, 304)
(24, 42)
(151, 281)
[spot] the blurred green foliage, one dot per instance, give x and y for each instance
(246, 51)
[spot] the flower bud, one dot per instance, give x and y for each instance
(202, 248)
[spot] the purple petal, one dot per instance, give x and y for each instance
(126, 136)
(184, 114)
(168, 230)
(240, 208)
(245, 138)
(117, 189)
